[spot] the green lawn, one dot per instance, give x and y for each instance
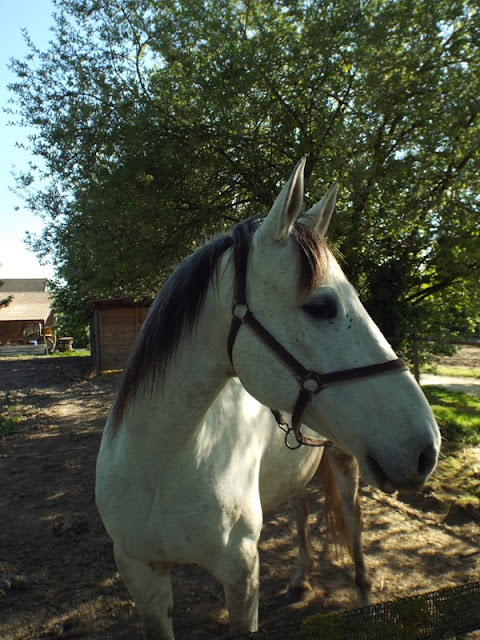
(70, 354)
(442, 370)
(457, 476)
(457, 414)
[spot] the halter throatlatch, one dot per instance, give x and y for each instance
(311, 382)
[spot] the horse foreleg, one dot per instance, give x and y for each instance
(239, 572)
(238, 569)
(299, 585)
(346, 477)
(151, 590)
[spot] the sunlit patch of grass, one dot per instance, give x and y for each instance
(457, 476)
(71, 354)
(460, 372)
(457, 415)
(8, 419)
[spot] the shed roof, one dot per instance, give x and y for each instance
(103, 303)
(26, 306)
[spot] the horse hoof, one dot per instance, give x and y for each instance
(298, 592)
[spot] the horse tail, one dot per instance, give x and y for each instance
(335, 526)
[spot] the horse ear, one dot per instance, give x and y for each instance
(278, 223)
(318, 217)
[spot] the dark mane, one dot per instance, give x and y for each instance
(176, 308)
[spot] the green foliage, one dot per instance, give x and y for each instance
(71, 316)
(160, 123)
(5, 301)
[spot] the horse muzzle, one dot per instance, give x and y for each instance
(409, 478)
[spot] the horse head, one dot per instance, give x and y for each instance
(295, 290)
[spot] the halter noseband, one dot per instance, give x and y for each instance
(311, 382)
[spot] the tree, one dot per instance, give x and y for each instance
(159, 124)
(4, 302)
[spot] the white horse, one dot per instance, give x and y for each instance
(185, 472)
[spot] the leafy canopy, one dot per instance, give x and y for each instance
(160, 123)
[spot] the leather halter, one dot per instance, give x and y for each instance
(311, 382)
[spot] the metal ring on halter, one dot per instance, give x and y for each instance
(311, 384)
(287, 433)
(240, 310)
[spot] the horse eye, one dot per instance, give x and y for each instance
(323, 309)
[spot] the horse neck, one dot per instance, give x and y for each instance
(200, 366)
(199, 369)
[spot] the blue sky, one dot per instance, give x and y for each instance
(16, 261)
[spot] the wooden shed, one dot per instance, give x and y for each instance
(114, 326)
(28, 318)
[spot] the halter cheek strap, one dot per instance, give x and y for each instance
(311, 382)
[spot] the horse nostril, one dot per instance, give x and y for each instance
(427, 461)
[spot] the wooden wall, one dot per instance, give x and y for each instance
(12, 329)
(113, 333)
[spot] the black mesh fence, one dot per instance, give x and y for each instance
(436, 615)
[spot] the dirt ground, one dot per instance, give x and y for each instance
(465, 356)
(57, 575)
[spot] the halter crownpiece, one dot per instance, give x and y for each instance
(311, 382)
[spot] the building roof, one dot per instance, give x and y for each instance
(29, 306)
(22, 284)
(103, 303)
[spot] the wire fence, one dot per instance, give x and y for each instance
(436, 615)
